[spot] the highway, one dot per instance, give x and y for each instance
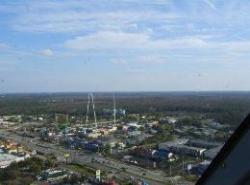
(93, 160)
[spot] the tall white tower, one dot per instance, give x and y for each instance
(114, 109)
(91, 98)
(87, 112)
(93, 105)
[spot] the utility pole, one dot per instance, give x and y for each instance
(170, 170)
(114, 109)
(87, 112)
(93, 105)
(183, 163)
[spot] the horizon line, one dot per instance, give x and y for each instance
(165, 91)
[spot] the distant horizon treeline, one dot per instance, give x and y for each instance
(225, 108)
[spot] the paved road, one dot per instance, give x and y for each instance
(121, 170)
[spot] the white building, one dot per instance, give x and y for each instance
(7, 159)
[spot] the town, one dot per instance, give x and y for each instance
(120, 148)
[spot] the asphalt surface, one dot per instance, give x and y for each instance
(93, 160)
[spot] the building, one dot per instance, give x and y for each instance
(47, 135)
(94, 134)
(120, 112)
(142, 152)
(175, 142)
(179, 147)
(61, 118)
(134, 133)
(203, 144)
(109, 183)
(7, 159)
(94, 146)
(187, 150)
(136, 138)
(211, 153)
(152, 124)
(215, 125)
(161, 154)
(198, 169)
(53, 175)
(168, 119)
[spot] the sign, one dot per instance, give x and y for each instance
(98, 175)
(66, 155)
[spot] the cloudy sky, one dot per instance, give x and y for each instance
(124, 45)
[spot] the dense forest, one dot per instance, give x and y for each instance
(225, 107)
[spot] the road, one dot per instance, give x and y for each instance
(93, 160)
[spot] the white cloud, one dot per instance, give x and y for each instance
(46, 52)
(135, 70)
(82, 15)
(119, 61)
(76, 16)
(4, 46)
(142, 41)
(151, 60)
(237, 46)
(79, 21)
(122, 40)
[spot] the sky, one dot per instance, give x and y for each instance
(124, 45)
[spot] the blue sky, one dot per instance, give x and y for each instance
(124, 45)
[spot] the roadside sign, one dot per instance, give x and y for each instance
(66, 155)
(98, 175)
